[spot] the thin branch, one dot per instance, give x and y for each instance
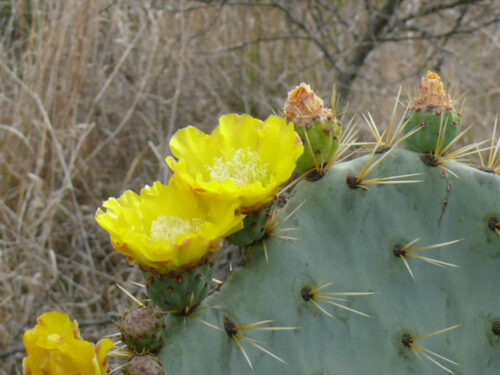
(377, 23)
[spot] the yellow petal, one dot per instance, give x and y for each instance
(54, 347)
(168, 226)
(244, 158)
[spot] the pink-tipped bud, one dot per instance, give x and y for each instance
(303, 106)
(431, 94)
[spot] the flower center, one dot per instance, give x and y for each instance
(170, 227)
(244, 167)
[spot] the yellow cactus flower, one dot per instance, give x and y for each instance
(168, 227)
(55, 347)
(243, 158)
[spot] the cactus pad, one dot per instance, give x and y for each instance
(350, 243)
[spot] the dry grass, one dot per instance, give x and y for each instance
(90, 92)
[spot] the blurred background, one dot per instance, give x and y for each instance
(92, 90)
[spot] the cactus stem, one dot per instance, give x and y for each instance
(408, 250)
(409, 341)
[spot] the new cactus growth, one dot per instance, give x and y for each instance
(316, 125)
(180, 291)
(255, 224)
(433, 114)
(143, 365)
(143, 330)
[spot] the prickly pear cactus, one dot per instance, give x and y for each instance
(385, 264)
(356, 293)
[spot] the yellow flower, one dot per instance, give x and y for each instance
(168, 227)
(55, 347)
(244, 158)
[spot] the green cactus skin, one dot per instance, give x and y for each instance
(347, 236)
(255, 224)
(180, 291)
(429, 120)
(143, 365)
(324, 137)
(143, 330)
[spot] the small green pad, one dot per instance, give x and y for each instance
(143, 330)
(180, 291)
(143, 365)
(323, 136)
(255, 224)
(428, 120)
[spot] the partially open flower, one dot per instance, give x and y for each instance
(244, 158)
(303, 107)
(316, 126)
(55, 347)
(432, 119)
(168, 227)
(431, 94)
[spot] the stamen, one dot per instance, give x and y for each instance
(242, 166)
(170, 227)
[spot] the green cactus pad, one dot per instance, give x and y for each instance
(348, 236)
(180, 291)
(324, 138)
(143, 330)
(254, 226)
(428, 120)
